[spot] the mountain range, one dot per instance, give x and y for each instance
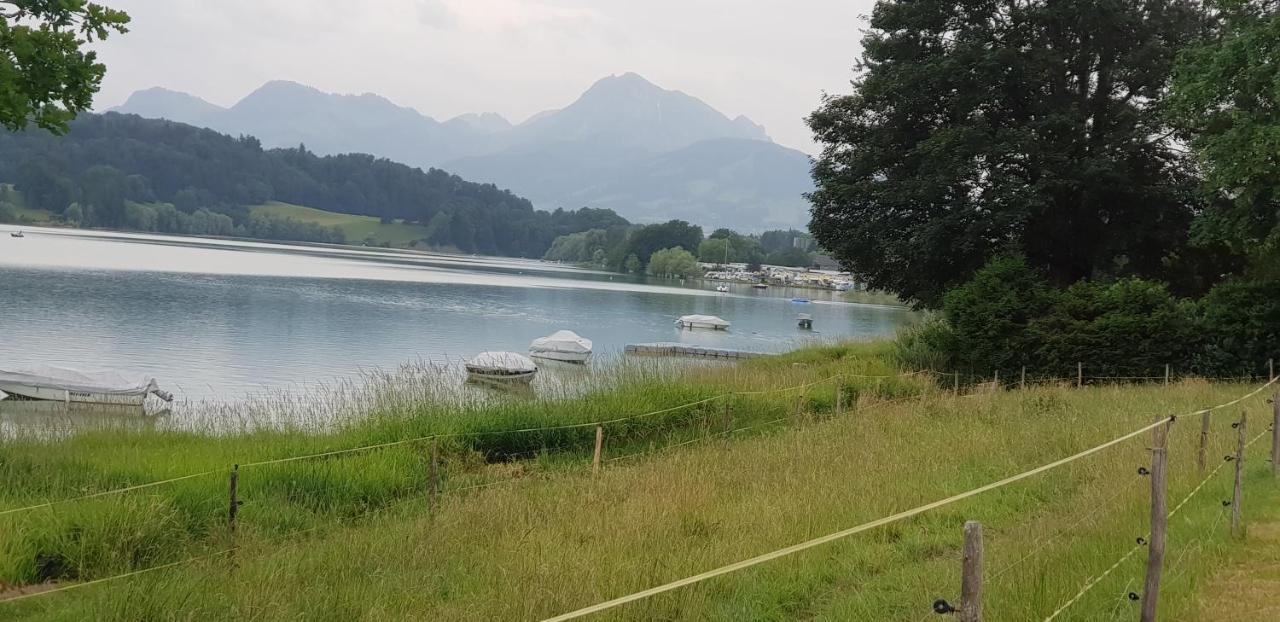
(625, 144)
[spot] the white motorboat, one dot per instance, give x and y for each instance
(562, 345)
(59, 384)
(502, 367)
(722, 288)
(702, 321)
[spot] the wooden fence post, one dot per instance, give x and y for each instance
(1022, 384)
(1159, 521)
(728, 417)
(433, 492)
(955, 384)
(1271, 369)
(1275, 435)
(971, 577)
(234, 508)
(595, 460)
(839, 399)
(1079, 375)
(996, 382)
(1204, 441)
(1237, 497)
(1166, 374)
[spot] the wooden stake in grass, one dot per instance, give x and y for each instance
(234, 508)
(839, 399)
(1237, 498)
(1204, 441)
(1159, 521)
(433, 492)
(595, 460)
(1275, 435)
(728, 417)
(955, 385)
(1079, 375)
(1166, 374)
(1022, 384)
(971, 575)
(995, 383)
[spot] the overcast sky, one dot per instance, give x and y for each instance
(768, 59)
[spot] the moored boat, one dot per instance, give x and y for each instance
(502, 367)
(17, 234)
(722, 288)
(60, 384)
(702, 321)
(562, 345)
(761, 286)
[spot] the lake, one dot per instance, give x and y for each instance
(223, 318)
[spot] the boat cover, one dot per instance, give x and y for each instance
(702, 319)
(565, 341)
(508, 362)
(102, 382)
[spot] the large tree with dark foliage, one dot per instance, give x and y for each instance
(1226, 99)
(108, 159)
(46, 77)
(978, 127)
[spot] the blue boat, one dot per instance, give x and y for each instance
(801, 300)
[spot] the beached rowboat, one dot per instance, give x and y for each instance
(60, 384)
(502, 367)
(562, 345)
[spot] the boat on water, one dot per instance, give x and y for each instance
(71, 386)
(562, 345)
(801, 300)
(722, 288)
(502, 367)
(761, 286)
(702, 321)
(17, 234)
(805, 321)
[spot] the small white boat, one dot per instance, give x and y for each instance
(17, 234)
(761, 286)
(805, 321)
(722, 288)
(71, 386)
(502, 366)
(702, 321)
(562, 345)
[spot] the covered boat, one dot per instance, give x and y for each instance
(502, 366)
(46, 382)
(562, 345)
(702, 321)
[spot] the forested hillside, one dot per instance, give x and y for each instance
(123, 171)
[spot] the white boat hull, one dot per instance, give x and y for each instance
(706, 325)
(52, 394)
(567, 357)
(487, 376)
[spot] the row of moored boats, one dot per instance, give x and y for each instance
(62, 384)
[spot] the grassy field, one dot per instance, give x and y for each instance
(524, 531)
(356, 228)
(25, 213)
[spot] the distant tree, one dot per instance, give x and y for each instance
(674, 263)
(632, 265)
(1226, 100)
(675, 233)
(102, 188)
(977, 128)
(715, 250)
(8, 212)
(73, 215)
(792, 257)
(46, 77)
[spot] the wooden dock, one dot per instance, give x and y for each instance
(681, 349)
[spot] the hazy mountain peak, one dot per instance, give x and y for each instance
(491, 122)
(162, 103)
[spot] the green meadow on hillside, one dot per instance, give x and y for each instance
(357, 229)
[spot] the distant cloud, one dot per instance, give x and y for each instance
(437, 14)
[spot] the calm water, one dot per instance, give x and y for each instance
(221, 318)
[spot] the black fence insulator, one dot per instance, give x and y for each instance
(1142, 540)
(1143, 471)
(1134, 596)
(941, 606)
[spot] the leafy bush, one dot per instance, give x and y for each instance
(1240, 323)
(1009, 316)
